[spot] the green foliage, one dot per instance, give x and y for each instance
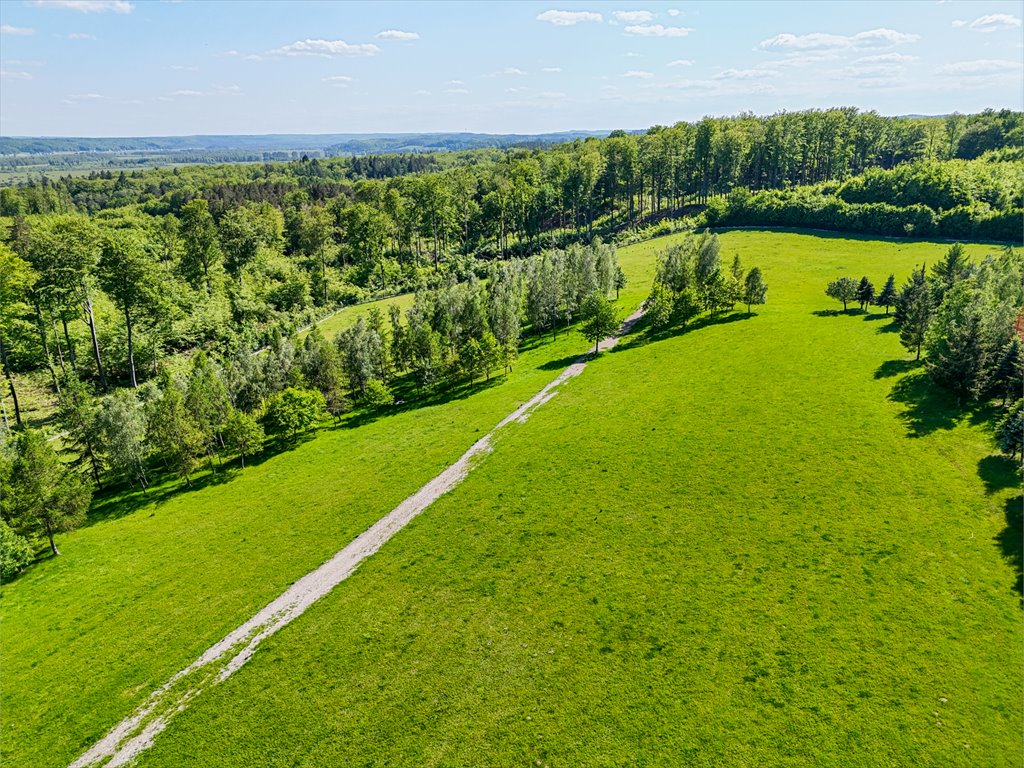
(244, 434)
(46, 497)
(121, 424)
(174, 430)
(887, 296)
(15, 552)
(294, 410)
(755, 290)
(1010, 430)
(842, 289)
(377, 394)
(914, 311)
(599, 319)
(865, 293)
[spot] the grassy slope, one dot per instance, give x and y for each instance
(774, 491)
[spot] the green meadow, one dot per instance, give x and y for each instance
(759, 541)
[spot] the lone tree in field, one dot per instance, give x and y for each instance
(243, 433)
(888, 296)
(914, 311)
(599, 320)
(620, 281)
(46, 496)
(755, 290)
(844, 289)
(865, 292)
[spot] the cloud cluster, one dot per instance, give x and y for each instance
(569, 18)
(397, 34)
(633, 16)
(326, 48)
(990, 23)
(822, 41)
(87, 6)
(657, 30)
(8, 29)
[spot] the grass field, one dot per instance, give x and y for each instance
(761, 541)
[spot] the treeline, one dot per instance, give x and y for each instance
(979, 199)
(222, 408)
(964, 320)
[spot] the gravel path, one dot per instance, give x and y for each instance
(135, 733)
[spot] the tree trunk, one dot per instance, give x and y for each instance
(131, 347)
(323, 270)
(71, 347)
(56, 339)
(49, 535)
(41, 327)
(91, 321)
(10, 382)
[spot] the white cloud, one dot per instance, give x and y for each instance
(745, 74)
(246, 56)
(821, 41)
(551, 95)
(980, 67)
(551, 69)
(507, 71)
(339, 79)
(7, 29)
(6, 74)
(657, 30)
(81, 36)
(681, 63)
(422, 92)
(186, 92)
(885, 58)
(994, 22)
(959, 23)
(633, 15)
(517, 89)
(87, 96)
(183, 68)
(639, 74)
(674, 11)
(456, 82)
(633, 55)
(455, 90)
(397, 34)
(327, 48)
(569, 18)
(87, 6)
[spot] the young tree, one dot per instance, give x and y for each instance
(47, 497)
(865, 292)
(199, 236)
(954, 343)
(128, 275)
(755, 290)
(1004, 378)
(377, 394)
(953, 268)
(244, 434)
(295, 410)
(888, 295)
(1010, 430)
(15, 552)
(914, 311)
(844, 289)
(122, 428)
(77, 415)
(490, 352)
(599, 319)
(658, 306)
(620, 281)
(207, 400)
(471, 359)
(174, 432)
(16, 276)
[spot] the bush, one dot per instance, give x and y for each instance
(15, 552)
(377, 394)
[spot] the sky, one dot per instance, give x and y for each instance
(160, 67)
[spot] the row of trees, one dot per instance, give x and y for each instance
(221, 409)
(961, 317)
(691, 279)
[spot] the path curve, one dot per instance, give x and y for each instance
(123, 743)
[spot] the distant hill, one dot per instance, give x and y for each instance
(328, 143)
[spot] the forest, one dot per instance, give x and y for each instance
(142, 296)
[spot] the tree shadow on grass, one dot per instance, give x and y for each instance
(926, 407)
(642, 333)
(410, 397)
(998, 472)
(561, 363)
(851, 312)
(1011, 541)
(892, 368)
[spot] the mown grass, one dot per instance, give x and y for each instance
(758, 541)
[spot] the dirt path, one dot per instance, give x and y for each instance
(135, 733)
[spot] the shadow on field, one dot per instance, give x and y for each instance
(642, 333)
(851, 312)
(1011, 540)
(998, 472)
(892, 368)
(890, 327)
(412, 397)
(558, 365)
(927, 408)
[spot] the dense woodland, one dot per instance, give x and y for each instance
(142, 296)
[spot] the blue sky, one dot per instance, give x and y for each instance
(139, 67)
